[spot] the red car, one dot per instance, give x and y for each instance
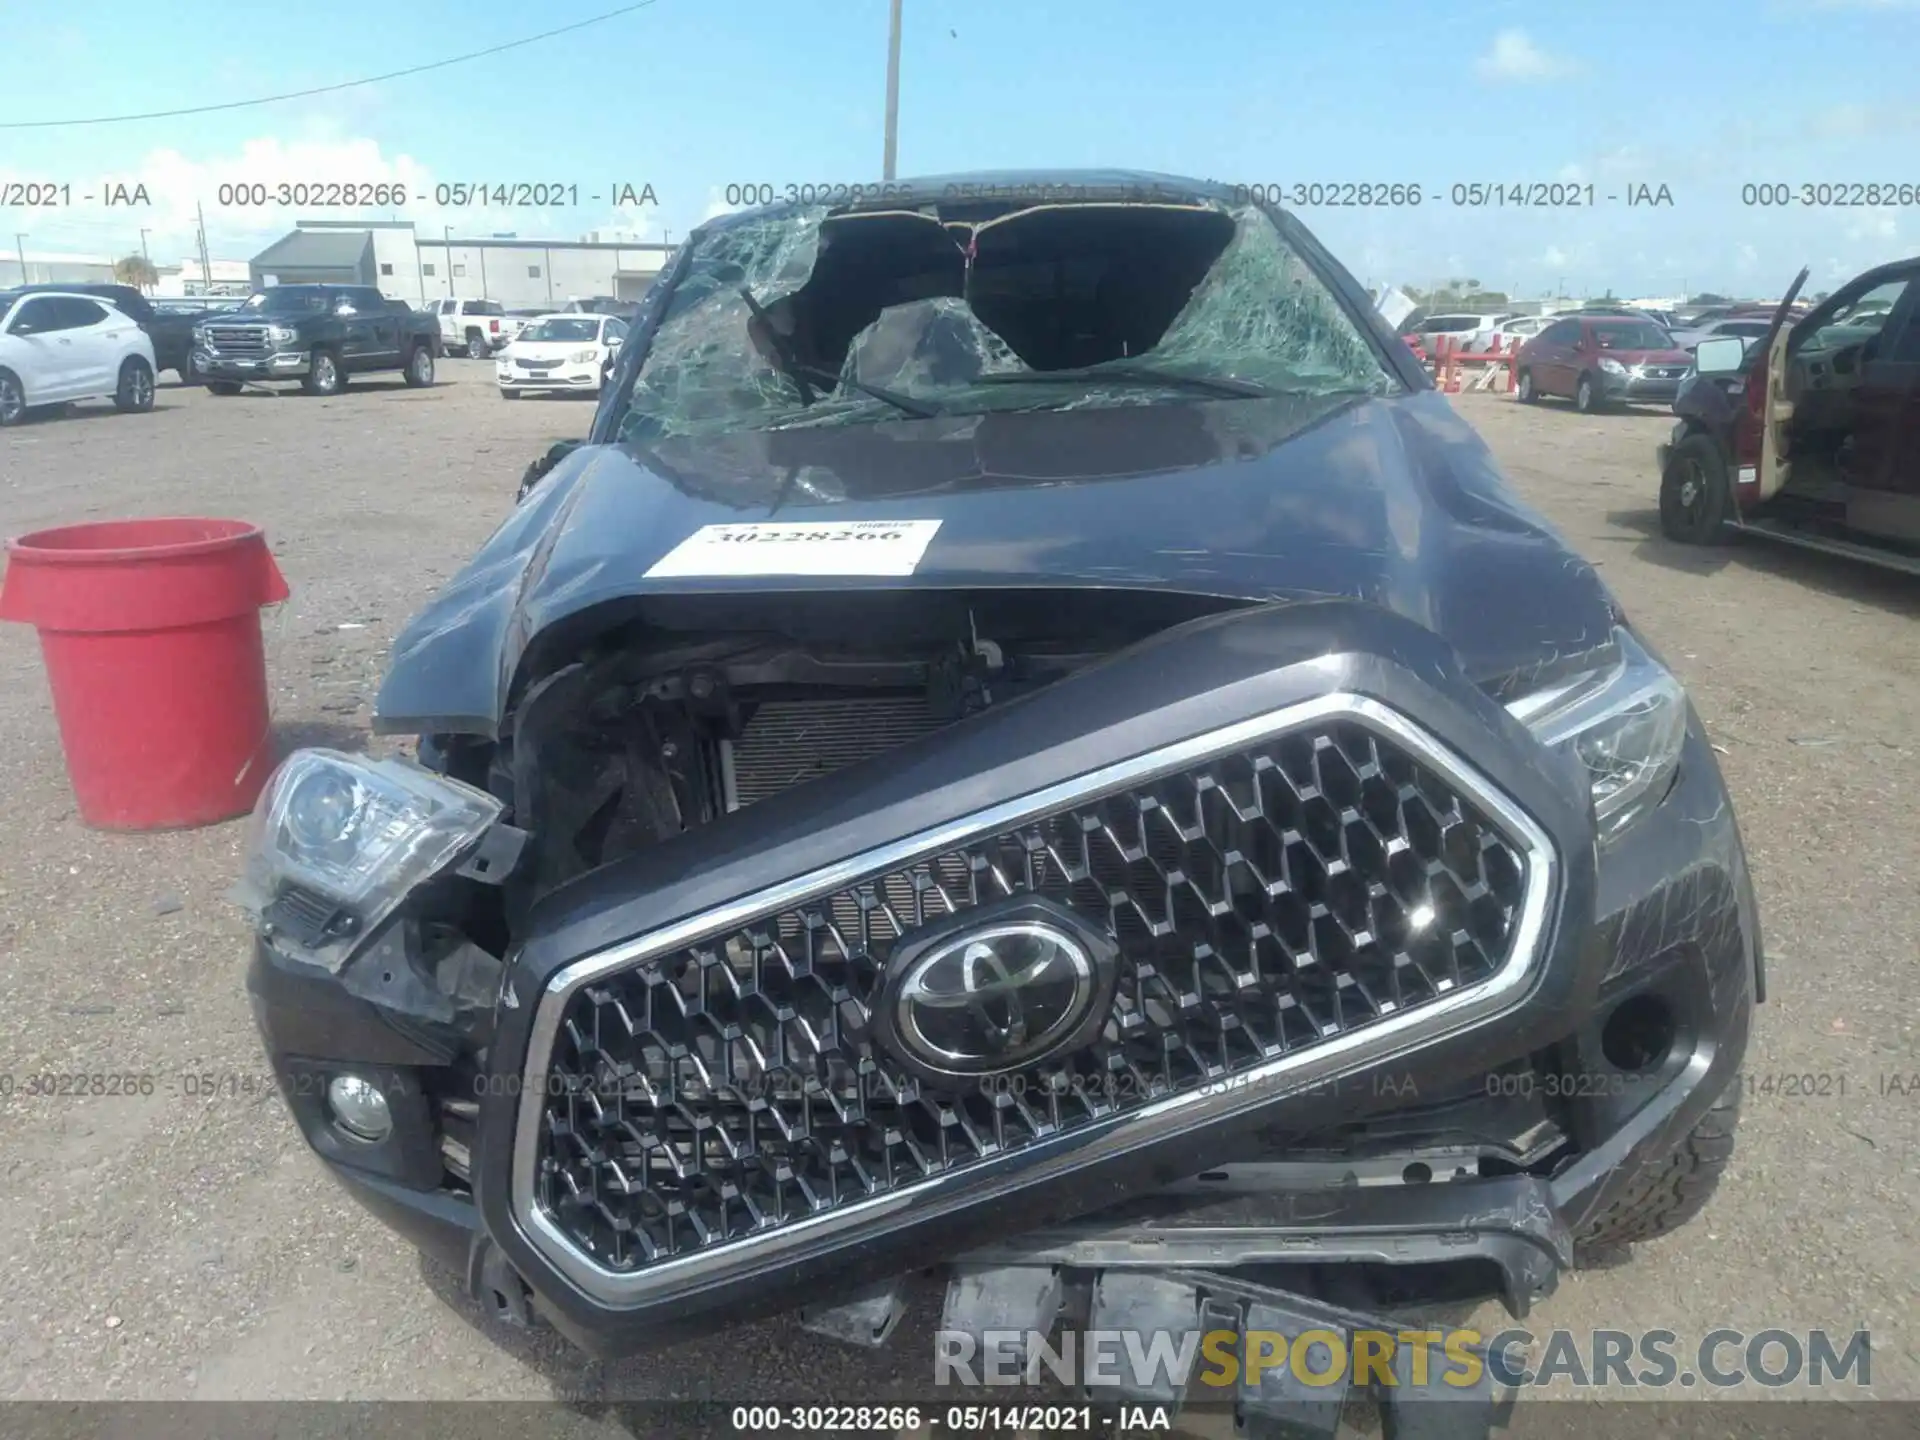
(1602, 360)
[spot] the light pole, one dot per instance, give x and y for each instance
(144, 254)
(446, 238)
(893, 90)
(20, 248)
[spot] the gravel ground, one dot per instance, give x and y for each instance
(176, 1246)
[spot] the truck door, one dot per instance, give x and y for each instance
(358, 350)
(1883, 472)
(1776, 407)
(385, 325)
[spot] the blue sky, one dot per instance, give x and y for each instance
(690, 96)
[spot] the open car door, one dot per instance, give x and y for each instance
(1777, 408)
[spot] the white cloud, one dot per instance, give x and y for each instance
(1514, 56)
(1879, 226)
(717, 205)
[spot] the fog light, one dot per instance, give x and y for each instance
(359, 1108)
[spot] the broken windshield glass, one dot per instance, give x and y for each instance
(926, 346)
(881, 303)
(702, 372)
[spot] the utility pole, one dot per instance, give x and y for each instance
(446, 237)
(893, 90)
(206, 265)
(20, 248)
(144, 254)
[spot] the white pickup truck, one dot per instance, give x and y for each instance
(476, 328)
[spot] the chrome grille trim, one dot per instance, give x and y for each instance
(1248, 1089)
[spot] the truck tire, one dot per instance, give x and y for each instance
(420, 365)
(134, 394)
(477, 347)
(1675, 1188)
(223, 387)
(324, 375)
(1694, 499)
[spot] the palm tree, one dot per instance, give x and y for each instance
(136, 270)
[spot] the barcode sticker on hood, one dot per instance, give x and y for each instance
(809, 547)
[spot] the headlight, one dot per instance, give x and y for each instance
(282, 334)
(339, 840)
(584, 357)
(1626, 724)
(1612, 366)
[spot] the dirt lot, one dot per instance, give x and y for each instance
(170, 1247)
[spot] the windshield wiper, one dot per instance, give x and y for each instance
(919, 409)
(1134, 374)
(783, 358)
(799, 371)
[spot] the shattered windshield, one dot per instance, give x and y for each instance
(803, 317)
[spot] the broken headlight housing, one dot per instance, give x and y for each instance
(1627, 723)
(338, 841)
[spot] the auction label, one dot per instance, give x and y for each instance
(855, 547)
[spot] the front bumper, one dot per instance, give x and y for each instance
(1670, 916)
(278, 365)
(1640, 389)
(570, 376)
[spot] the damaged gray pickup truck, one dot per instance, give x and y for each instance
(1030, 745)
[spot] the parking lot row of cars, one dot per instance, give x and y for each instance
(1479, 333)
(65, 343)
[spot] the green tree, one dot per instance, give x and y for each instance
(137, 271)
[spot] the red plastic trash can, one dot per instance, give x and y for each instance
(150, 630)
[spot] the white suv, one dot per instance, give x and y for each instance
(56, 347)
(475, 328)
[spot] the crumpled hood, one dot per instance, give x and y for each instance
(1391, 501)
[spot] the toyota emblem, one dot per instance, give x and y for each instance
(996, 995)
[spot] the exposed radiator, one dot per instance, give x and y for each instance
(789, 742)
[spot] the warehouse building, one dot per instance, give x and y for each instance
(517, 272)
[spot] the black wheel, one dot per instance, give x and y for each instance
(1694, 498)
(420, 366)
(13, 399)
(1524, 391)
(1675, 1188)
(477, 347)
(324, 375)
(134, 394)
(1586, 396)
(223, 387)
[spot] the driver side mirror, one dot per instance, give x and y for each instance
(1724, 355)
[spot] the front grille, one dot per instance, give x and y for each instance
(1265, 903)
(238, 340)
